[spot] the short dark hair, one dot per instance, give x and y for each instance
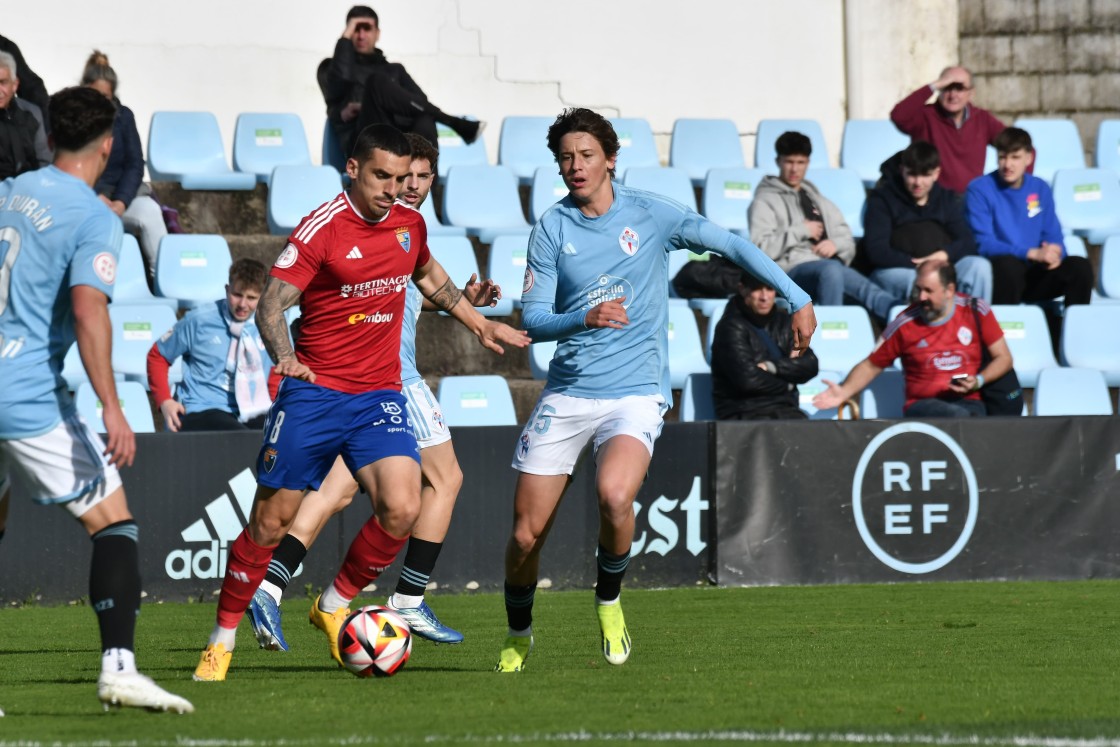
(920, 157)
(248, 272)
(1013, 139)
(575, 119)
(793, 144)
(380, 137)
(362, 11)
(946, 273)
(751, 282)
(80, 116)
(423, 148)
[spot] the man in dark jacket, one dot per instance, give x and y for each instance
(911, 218)
(753, 375)
(31, 86)
(362, 88)
(20, 131)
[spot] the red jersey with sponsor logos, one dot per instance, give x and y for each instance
(353, 274)
(931, 354)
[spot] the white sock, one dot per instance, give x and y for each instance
(404, 601)
(331, 600)
(118, 661)
(225, 636)
(272, 590)
(521, 633)
(607, 602)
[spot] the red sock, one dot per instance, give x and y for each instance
(245, 569)
(371, 552)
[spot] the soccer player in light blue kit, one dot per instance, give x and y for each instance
(58, 261)
(597, 282)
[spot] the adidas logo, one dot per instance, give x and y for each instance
(354, 254)
(568, 248)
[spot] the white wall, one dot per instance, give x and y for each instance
(739, 59)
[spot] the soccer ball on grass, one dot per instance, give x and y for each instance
(374, 641)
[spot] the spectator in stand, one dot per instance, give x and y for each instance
(960, 131)
(753, 375)
(225, 364)
(23, 141)
(938, 338)
(31, 86)
(361, 88)
(1012, 215)
(912, 219)
(807, 236)
(121, 186)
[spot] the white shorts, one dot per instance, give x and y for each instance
(560, 427)
(65, 465)
(427, 419)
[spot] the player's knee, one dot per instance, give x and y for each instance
(524, 540)
(615, 498)
(398, 517)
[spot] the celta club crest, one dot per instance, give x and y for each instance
(628, 240)
(404, 238)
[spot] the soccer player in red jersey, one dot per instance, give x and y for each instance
(347, 264)
(939, 340)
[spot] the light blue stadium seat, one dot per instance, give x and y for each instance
(991, 159)
(540, 355)
(133, 400)
(131, 285)
(295, 191)
(636, 144)
(867, 143)
(1108, 145)
(1109, 281)
(192, 268)
(484, 200)
(663, 180)
(453, 151)
(716, 313)
(708, 306)
(507, 262)
(523, 146)
(186, 147)
(1057, 145)
(1075, 245)
(813, 387)
(1091, 339)
(686, 352)
(1071, 392)
(728, 194)
(261, 142)
(456, 255)
(333, 153)
(698, 145)
(845, 189)
(546, 190)
(1088, 202)
(844, 337)
(885, 396)
(435, 226)
(769, 130)
(696, 398)
(476, 400)
(1028, 336)
(136, 327)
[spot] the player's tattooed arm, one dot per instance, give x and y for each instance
(446, 297)
(277, 297)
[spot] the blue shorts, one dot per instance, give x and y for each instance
(309, 426)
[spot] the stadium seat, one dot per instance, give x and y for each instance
(696, 398)
(1071, 392)
(1075, 245)
(844, 337)
(476, 400)
(186, 147)
(665, 181)
(295, 191)
(1057, 145)
(453, 151)
(867, 143)
(727, 196)
(1109, 281)
(1088, 202)
(136, 327)
(131, 285)
(333, 153)
(192, 268)
(698, 145)
(813, 387)
(484, 200)
(1108, 145)
(523, 146)
(1091, 339)
(546, 190)
(507, 268)
(991, 159)
(884, 397)
(540, 355)
(261, 142)
(686, 352)
(715, 314)
(435, 226)
(636, 144)
(1028, 335)
(133, 400)
(844, 188)
(769, 130)
(457, 257)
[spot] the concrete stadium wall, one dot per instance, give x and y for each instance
(824, 59)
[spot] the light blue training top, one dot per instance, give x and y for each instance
(576, 262)
(54, 234)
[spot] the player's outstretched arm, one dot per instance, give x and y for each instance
(437, 287)
(859, 377)
(277, 297)
(94, 335)
(477, 293)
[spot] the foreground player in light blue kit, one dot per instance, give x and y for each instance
(597, 282)
(58, 261)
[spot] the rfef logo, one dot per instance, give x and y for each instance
(914, 498)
